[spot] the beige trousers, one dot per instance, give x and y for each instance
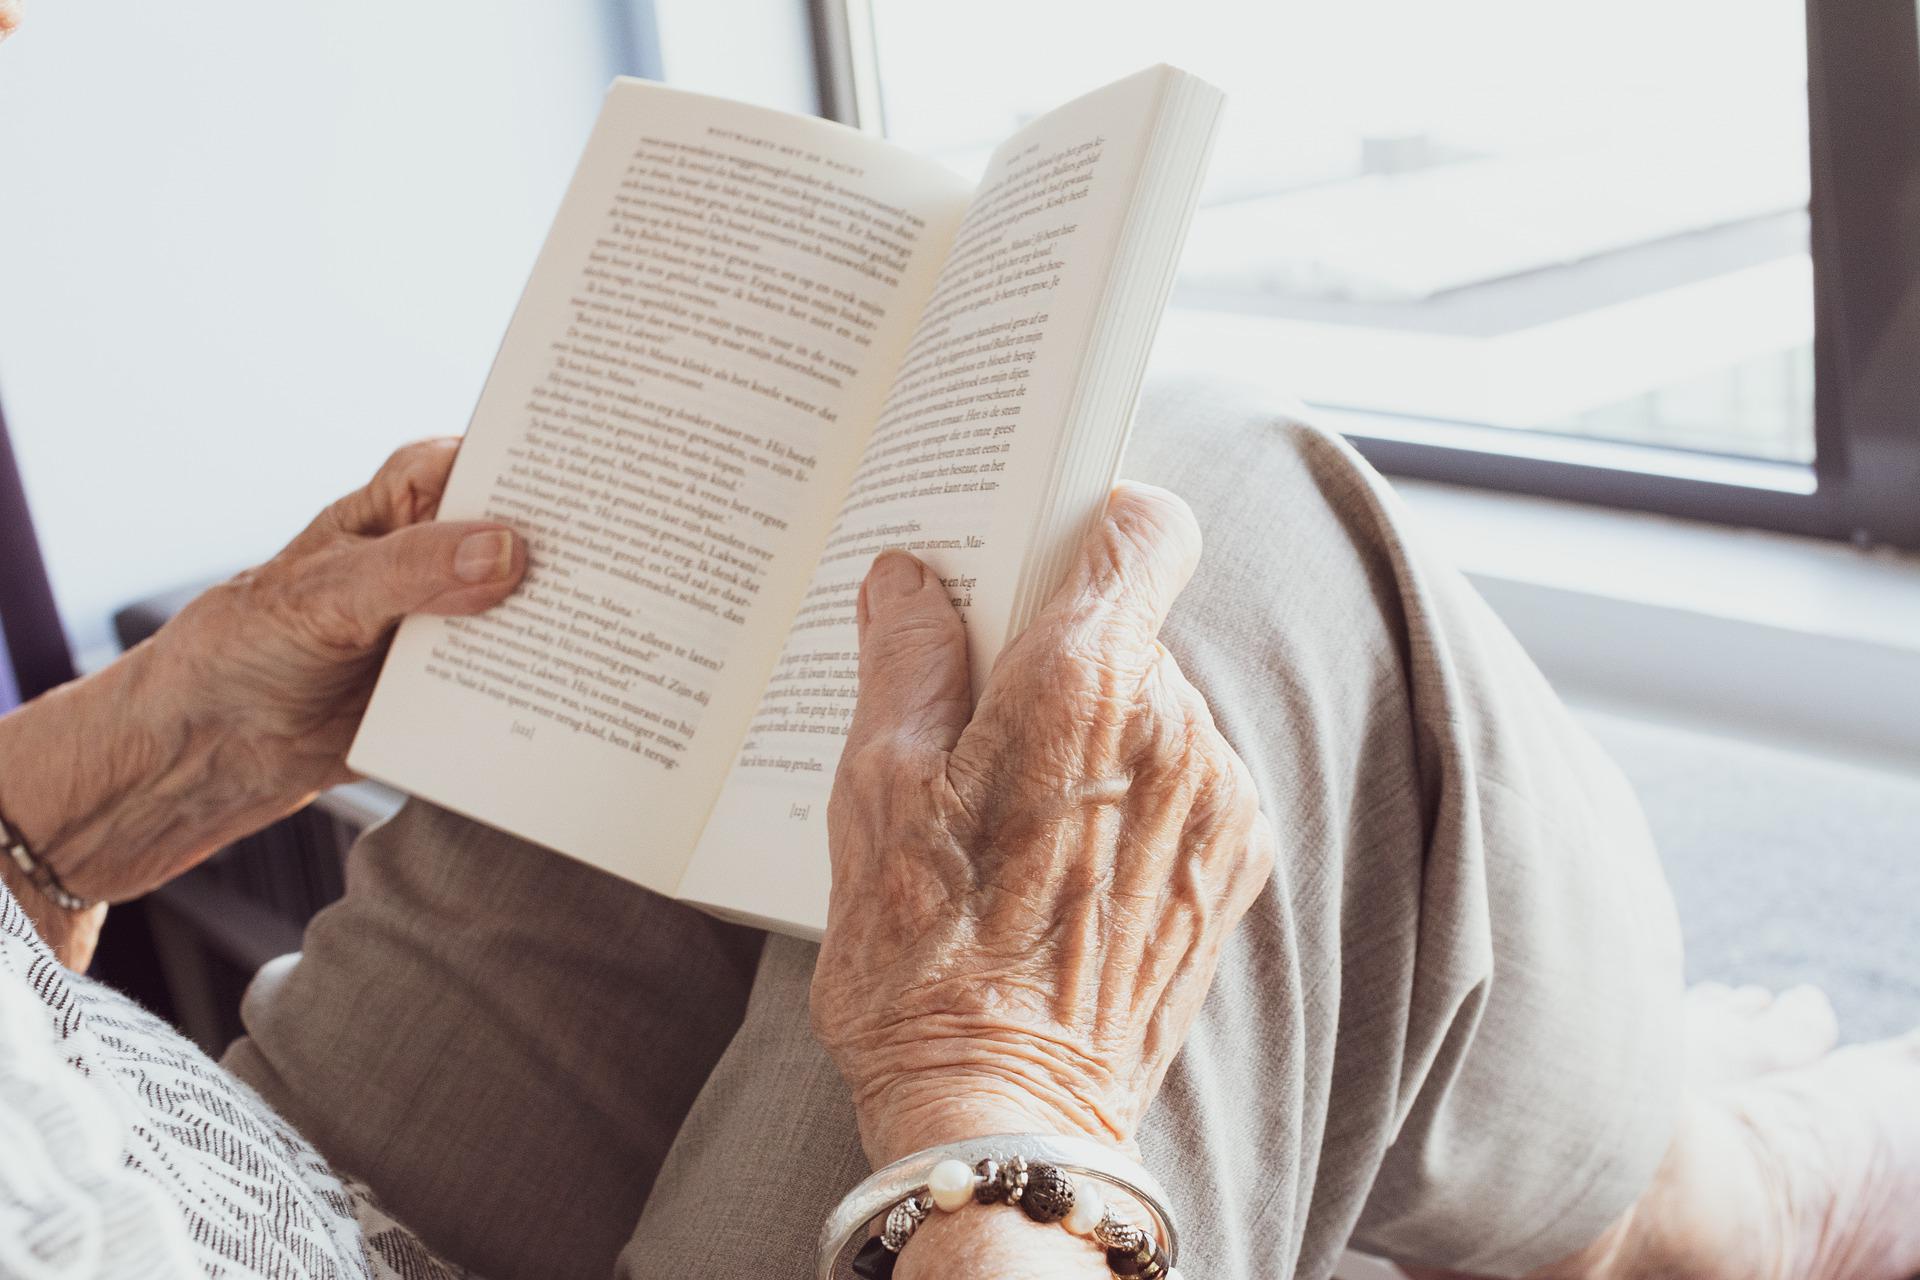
(1447, 1032)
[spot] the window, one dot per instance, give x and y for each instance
(1648, 253)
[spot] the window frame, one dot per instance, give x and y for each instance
(1864, 482)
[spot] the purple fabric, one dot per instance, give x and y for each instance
(38, 657)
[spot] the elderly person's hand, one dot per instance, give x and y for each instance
(243, 706)
(1029, 899)
(272, 669)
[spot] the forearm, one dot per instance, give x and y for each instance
(114, 788)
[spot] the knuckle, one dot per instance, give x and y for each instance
(408, 484)
(1145, 526)
(864, 769)
(1265, 854)
(1226, 802)
(1243, 809)
(416, 456)
(1150, 516)
(348, 513)
(884, 768)
(1240, 799)
(1192, 702)
(1182, 728)
(1251, 865)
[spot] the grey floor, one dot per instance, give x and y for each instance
(1786, 867)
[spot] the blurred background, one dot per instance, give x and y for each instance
(1625, 298)
(1446, 210)
(247, 249)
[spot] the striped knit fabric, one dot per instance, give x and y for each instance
(127, 1153)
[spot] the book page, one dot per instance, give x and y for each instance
(957, 471)
(687, 383)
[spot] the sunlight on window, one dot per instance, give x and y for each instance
(1585, 219)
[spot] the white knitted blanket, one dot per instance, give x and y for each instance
(125, 1152)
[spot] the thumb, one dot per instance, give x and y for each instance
(914, 686)
(455, 567)
(1134, 562)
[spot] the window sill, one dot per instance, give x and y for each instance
(1805, 642)
(1808, 643)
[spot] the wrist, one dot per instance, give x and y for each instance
(931, 1110)
(95, 764)
(996, 1241)
(72, 935)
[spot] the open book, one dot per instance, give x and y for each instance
(756, 350)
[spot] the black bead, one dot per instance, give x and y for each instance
(1049, 1194)
(1146, 1262)
(874, 1261)
(988, 1189)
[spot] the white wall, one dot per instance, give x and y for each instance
(759, 51)
(247, 248)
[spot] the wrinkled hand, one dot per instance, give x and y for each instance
(1029, 900)
(281, 659)
(262, 680)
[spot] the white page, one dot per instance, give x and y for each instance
(690, 377)
(958, 471)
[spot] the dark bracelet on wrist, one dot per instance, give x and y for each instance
(37, 872)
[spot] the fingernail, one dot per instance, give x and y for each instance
(484, 557)
(895, 574)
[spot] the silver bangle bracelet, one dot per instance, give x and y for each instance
(851, 1221)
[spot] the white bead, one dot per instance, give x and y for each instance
(1174, 1274)
(1088, 1208)
(950, 1184)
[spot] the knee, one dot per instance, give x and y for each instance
(1259, 471)
(1200, 417)
(1302, 536)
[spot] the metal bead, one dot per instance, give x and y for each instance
(1117, 1233)
(1143, 1263)
(904, 1219)
(1049, 1195)
(986, 1187)
(1013, 1179)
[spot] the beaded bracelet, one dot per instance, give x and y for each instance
(37, 873)
(1027, 1172)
